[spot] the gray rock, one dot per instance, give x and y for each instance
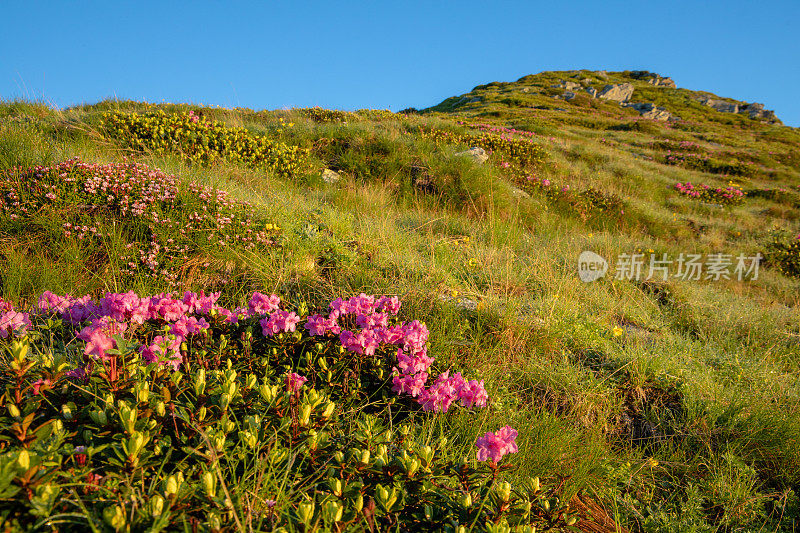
(721, 105)
(476, 153)
(602, 73)
(592, 92)
(330, 176)
(650, 111)
(468, 100)
(617, 93)
(569, 95)
(519, 193)
(571, 85)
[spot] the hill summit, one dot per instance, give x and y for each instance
(628, 93)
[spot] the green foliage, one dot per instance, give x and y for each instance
(521, 152)
(202, 141)
(783, 252)
(137, 446)
(136, 218)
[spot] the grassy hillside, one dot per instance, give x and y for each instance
(640, 404)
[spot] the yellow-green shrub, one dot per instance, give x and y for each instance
(202, 141)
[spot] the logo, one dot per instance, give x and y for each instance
(591, 266)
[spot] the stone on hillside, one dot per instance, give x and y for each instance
(592, 92)
(757, 111)
(650, 111)
(721, 105)
(476, 153)
(519, 193)
(666, 82)
(330, 176)
(617, 93)
(571, 85)
(602, 73)
(525, 89)
(569, 95)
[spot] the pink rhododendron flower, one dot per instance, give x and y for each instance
(294, 382)
(165, 307)
(388, 305)
(261, 304)
(412, 384)
(364, 342)
(125, 307)
(374, 320)
(13, 323)
(493, 446)
(38, 384)
(279, 321)
(318, 325)
(189, 326)
(52, 302)
(473, 394)
(442, 393)
(200, 302)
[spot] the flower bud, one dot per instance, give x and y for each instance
(365, 456)
(114, 516)
(504, 490)
(161, 409)
(156, 505)
(13, 410)
(328, 411)
(209, 484)
(466, 501)
(172, 486)
(201, 413)
(305, 415)
(24, 460)
(305, 511)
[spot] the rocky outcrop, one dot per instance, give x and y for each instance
(755, 111)
(568, 85)
(618, 93)
(722, 105)
(650, 111)
(658, 81)
(592, 92)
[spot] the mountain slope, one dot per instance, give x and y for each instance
(663, 404)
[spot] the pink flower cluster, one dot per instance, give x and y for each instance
(493, 446)
(709, 193)
(446, 389)
(363, 325)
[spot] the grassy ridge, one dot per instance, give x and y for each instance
(671, 404)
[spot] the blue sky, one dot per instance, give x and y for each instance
(350, 55)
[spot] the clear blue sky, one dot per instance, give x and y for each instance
(349, 55)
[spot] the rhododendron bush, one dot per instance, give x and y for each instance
(160, 222)
(171, 412)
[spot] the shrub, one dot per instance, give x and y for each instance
(704, 163)
(202, 141)
(162, 223)
(176, 401)
(783, 252)
(522, 152)
(730, 195)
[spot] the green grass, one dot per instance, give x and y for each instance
(687, 420)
